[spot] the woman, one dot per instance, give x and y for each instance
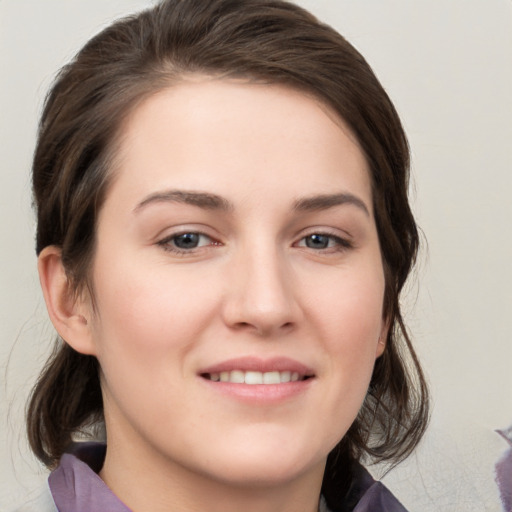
(223, 235)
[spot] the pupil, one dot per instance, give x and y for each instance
(317, 241)
(186, 240)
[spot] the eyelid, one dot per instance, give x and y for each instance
(343, 240)
(165, 242)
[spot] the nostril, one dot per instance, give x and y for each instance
(262, 328)
(242, 325)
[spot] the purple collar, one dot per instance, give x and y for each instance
(76, 487)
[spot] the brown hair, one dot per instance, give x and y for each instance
(271, 41)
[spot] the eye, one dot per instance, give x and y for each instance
(321, 241)
(186, 242)
(189, 240)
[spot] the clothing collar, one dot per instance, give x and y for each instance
(76, 487)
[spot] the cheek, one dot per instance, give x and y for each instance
(148, 325)
(159, 301)
(349, 318)
(350, 308)
(148, 321)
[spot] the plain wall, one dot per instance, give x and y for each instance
(447, 65)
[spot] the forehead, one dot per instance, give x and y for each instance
(216, 134)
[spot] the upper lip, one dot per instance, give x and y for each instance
(255, 364)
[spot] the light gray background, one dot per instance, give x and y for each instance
(447, 64)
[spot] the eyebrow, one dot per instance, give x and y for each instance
(210, 201)
(203, 200)
(326, 201)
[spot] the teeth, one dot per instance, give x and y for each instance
(237, 376)
(241, 377)
(271, 378)
(285, 376)
(253, 378)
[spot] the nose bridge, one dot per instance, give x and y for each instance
(261, 289)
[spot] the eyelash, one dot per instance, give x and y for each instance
(168, 243)
(338, 244)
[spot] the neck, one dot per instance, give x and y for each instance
(154, 483)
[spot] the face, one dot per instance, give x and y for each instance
(238, 283)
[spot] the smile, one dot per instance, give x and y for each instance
(255, 377)
(257, 381)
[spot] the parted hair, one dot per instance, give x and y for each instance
(267, 41)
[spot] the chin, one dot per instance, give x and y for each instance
(266, 466)
(262, 474)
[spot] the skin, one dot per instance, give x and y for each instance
(255, 286)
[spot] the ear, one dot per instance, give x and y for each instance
(381, 345)
(70, 315)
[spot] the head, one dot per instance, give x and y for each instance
(82, 131)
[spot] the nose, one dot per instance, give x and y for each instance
(260, 294)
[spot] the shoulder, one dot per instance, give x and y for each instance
(43, 502)
(378, 498)
(363, 494)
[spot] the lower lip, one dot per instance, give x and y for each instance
(260, 393)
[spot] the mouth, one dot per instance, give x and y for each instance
(256, 377)
(257, 381)
(255, 371)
